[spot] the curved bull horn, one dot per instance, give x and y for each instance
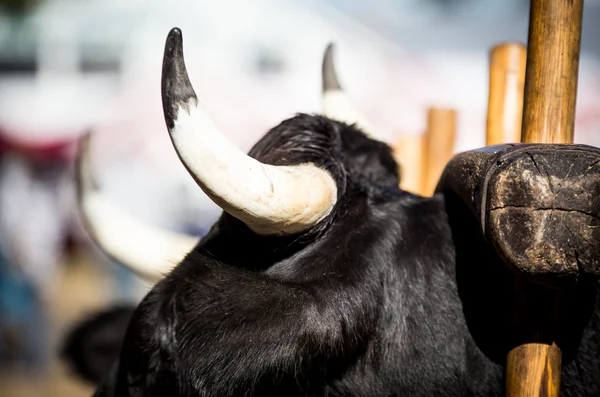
(336, 103)
(149, 251)
(271, 200)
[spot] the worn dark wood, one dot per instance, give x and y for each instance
(552, 71)
(543, 211)
(538, 206)
(505, 97)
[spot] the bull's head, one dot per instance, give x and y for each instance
(291, 181)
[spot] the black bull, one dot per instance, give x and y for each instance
(391, 294)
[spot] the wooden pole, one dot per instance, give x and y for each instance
(552, 71)
(505, 99)
(438, 145)
(409, 153)
(534, 366)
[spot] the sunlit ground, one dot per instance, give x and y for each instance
(81, 288)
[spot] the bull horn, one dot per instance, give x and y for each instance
(336, 103)
(270, 200)
(147, 250)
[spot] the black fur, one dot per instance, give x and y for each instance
(390, 295)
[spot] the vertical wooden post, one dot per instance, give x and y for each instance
(534, 365)
(438, 145)
(409, 153)
(552, 71)
(505, 98)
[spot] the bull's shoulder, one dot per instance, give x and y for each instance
(148, 360)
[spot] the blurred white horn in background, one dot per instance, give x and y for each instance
(147, 250)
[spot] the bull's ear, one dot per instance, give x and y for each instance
(336, 103)
(541, 194)
(92, 347)
(147, 250)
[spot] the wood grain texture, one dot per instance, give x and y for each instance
(535, 370)
(505, 97)
(438, 145)
(552, 71)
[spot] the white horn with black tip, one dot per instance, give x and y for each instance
(336, 103)
(147, 250)
(271, 200)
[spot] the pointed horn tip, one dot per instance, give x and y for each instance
(330, 79)
(176, 87)
(174, 43)
(330, 48)
(175, 32)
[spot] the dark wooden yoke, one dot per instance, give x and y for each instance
(538, 202)
(538, 206)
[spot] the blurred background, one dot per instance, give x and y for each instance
(68, 67)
